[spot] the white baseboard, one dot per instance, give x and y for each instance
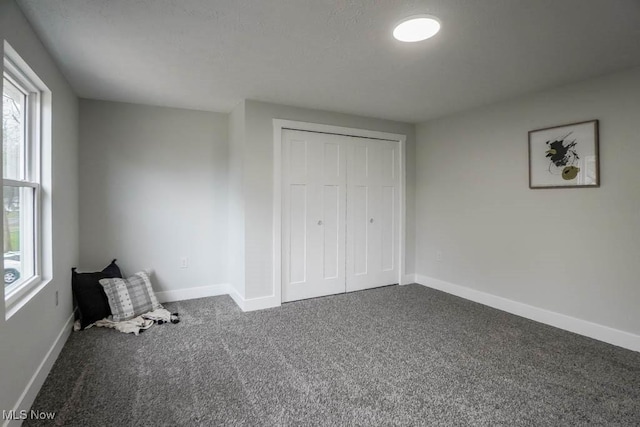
(192, 293)
(250, 304)
(253, 304)
(261, 303)
(236, 297)
(408, 279)
(34, 385)
(582, 327)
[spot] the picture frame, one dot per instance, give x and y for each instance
(565, 156)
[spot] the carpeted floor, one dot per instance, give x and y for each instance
(391, 356)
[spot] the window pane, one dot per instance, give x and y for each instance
(13, 130)
(18, 218)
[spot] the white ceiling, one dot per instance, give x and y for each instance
(332, 54)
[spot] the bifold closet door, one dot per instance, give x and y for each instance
(313, 215)
(373, 210)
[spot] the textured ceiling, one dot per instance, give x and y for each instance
(331, 54)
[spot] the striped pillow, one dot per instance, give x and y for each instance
(131, 297)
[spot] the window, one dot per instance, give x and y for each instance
(22, 95)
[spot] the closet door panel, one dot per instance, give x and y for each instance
(362, 205)
(314, 192)
(359, 231)
(387, 229)
(297, 241)
(331, 231)
(372, 217)
(389, 211)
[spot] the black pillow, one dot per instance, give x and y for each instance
(93, 304)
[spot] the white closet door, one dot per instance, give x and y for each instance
(313, 215)
(373, 209)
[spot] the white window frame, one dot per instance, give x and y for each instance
(22, 76)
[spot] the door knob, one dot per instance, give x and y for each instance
(320, 222)
(371, 220)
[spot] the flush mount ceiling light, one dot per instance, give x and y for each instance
(416, 28)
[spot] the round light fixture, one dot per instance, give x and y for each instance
(416, 28)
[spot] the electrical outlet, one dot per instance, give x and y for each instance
(184, 262)
(438, 255)
(56, 298)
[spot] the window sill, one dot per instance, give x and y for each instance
(17, 299)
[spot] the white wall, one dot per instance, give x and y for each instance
(154, 190)
(570, 251)
(258, 182)
(29, 334)
(236, 229)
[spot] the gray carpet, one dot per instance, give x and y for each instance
(391, 356)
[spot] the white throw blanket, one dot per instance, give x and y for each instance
(133, 326)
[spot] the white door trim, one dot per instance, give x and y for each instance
(278, 126)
